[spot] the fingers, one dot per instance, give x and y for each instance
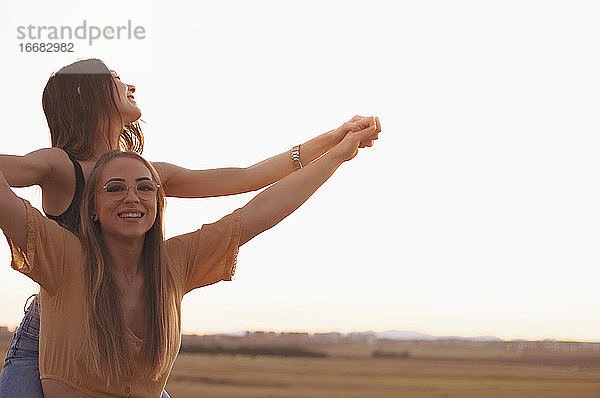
(360, 124)
(356, 118)
(367, 121)
(367, 136)
(368, 133)
(371, 131)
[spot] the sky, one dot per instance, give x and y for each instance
(475, 213)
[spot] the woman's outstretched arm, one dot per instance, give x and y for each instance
(38, 245)
(50, 168)
(280, 200)
(36, 168)
(180, 182)
(13, 218)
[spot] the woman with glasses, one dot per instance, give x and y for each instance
(90, 112)
(111, 294)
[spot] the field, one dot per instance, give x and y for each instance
(449, 372)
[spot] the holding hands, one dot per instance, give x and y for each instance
(356, 133)
(279, 200)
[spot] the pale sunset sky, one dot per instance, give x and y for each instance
(477, 212)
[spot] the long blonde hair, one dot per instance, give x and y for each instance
(109, 352)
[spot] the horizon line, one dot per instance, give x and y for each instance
(12, 328)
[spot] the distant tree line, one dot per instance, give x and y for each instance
(390, 354)
(254, 351)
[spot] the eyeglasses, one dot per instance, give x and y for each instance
(117, 190)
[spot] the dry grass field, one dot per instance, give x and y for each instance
(241, 377)
(349, 372)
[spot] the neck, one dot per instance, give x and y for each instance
(105, 144)
(126, 254)
(100, 149)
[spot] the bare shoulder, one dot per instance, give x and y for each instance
(52, 154)
(166, 170)
(58, 187)
(35, 168)
(52, 158)
(54, 161)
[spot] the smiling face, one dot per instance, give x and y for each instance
(130, 217)
(126, 104)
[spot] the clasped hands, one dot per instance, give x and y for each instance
(358, 132)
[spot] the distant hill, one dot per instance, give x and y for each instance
(398, 335)
(408, 335)
(404, 335)
(482, 339)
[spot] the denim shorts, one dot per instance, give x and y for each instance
(20, 375)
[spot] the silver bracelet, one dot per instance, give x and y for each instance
(296, 157)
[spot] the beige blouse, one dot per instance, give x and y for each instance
(54, 258)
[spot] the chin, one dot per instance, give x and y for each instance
(133, 117)
(138, 114)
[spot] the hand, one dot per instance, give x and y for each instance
(355, 124)
(369, 142)
(348, 147)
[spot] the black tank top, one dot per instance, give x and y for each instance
(69, 219)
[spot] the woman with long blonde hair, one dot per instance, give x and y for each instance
(90, 112)
(111, 294)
